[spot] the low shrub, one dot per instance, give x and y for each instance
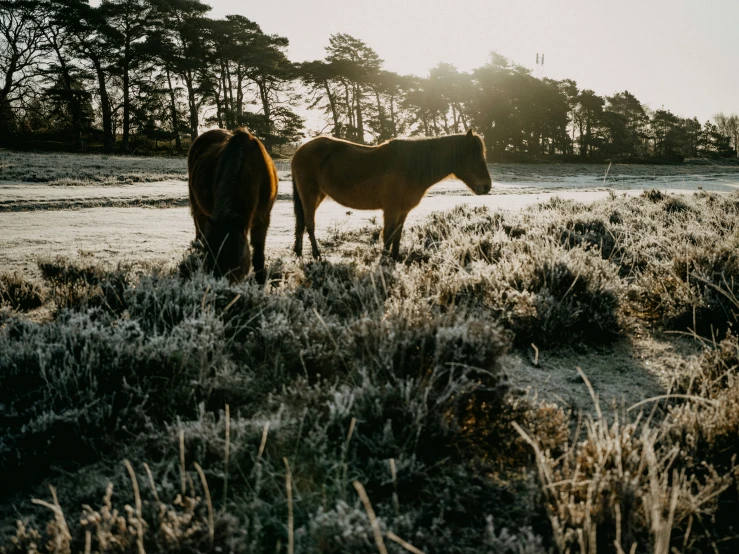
(590, 233)
(75, 285)
(19, 293)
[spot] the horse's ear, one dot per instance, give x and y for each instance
(470, 133)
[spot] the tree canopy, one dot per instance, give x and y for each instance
(131, 75)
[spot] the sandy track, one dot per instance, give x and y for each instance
(147, 235)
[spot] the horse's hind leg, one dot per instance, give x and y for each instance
(396, 236)
(299, 233)
(310, 208)
(313, 243)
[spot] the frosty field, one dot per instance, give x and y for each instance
(108, 207)
(550, 368)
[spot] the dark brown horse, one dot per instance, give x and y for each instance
(392, 177)
(233, 184)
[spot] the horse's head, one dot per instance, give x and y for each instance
(474, 170)
(228, 250)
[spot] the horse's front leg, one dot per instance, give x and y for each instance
(396, 236)
(202, 226)
(388, 228)
(258, 239)
(392, 228)
(245, 260)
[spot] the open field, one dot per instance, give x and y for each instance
(109, 207)
(551, 368)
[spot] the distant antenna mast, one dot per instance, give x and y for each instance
(539, 66)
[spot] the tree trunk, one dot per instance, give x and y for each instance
(334, 113)
(219, 108)
(462, 120)
(230, 92)
(74, 100)
(394, 129)
(173, 113)
(240, 92)
(349, 112)
(360, 120)
(108, 138)
(224, 116)
(126, 92)
(269, 137)
(194, 119)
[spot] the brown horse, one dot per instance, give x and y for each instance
(392, 177)
(233, 184)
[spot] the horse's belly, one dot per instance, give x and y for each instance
(368, 195)
(358, 203)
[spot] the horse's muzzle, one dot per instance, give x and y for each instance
(483, 188)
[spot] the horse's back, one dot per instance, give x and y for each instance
(331, 159)
(320, 150)
(202, 164)
(205, 145)
(266, 175)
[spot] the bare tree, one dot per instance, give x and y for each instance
(22, 46)
(728, 125)
(129, 21)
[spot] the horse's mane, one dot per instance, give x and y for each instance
(428, 158)
(228, 172)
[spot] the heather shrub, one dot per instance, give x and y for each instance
(174, 349)
(19, 293)
(653, 195)
(75, 285)
(696, 289)
(558, 296)
(71, 388)
(543, 292)
(589, 233)
(361, 370)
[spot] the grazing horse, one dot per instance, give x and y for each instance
(233, 184)
(392, 177)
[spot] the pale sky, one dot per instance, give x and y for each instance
(680, 54)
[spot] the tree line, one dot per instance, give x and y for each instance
(137, 75)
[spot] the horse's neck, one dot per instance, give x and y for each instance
(437, 160)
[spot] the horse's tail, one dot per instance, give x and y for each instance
(298, 209)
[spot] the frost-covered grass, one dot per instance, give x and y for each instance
(93, 169)
(63, 169)
(175, 412)
(96, 169)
